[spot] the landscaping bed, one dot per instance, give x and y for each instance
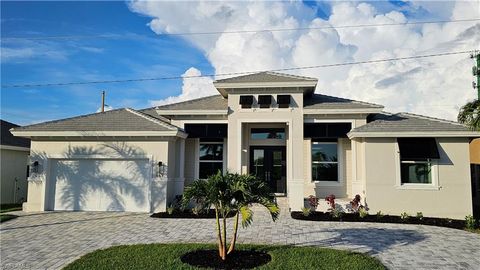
(354, 217)
(172, 256)
(5, 217)
(187, 214)
(4, 208)
(10, 207)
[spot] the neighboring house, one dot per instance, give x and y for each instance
(13, 165)
(268, 124)
(475, 169)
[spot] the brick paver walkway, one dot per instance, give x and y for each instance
(52, 240)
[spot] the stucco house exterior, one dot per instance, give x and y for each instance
(475, 170)
(268, 124)
(14, 153)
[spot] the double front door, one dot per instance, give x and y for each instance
(269, 164)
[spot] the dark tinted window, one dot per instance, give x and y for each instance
(268, 133)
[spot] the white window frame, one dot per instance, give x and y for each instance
(339, 163)
(199, 143)
(398, 168)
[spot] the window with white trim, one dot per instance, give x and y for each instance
(324, 161)
(416, 156)
(416, 172)
(210, 159)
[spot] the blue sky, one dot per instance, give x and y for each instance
(140, 53)
(85, 59)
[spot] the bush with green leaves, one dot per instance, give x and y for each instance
(470, 222)
(306, 211)
(419, 216)
(231, 192)
(380, 215)
(170, 209)
(362, 212)
(337, 213)
(404, 216)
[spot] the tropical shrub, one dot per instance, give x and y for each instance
(197, 209)
(380, 215)
(231, 192)
(330, 199)
(306, 211)
(419, 215)
(355, 204)
(170, 209)
(337, 213)
(313, 202)
(404, 216)
(470, 222)
(362, 212)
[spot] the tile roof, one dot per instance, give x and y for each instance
(115, 120)
(408, 122)
(6, 138)
(216, 102)
(318, 101)
(266, 76)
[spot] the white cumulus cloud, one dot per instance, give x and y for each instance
(192, 88)
(433, 86)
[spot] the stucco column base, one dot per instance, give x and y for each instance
(295, 194)
(160, 195)
(35, 197)
(31, 207)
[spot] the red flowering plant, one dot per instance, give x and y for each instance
(330, 199)
(313, 202)
(355, 204)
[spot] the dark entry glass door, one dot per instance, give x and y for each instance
(269, 164)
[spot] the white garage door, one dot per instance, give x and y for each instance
(100, 185)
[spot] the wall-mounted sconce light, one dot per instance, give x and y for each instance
(160, 169)
(35, 167)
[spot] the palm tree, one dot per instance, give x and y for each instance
(470, 115)
(228, 193)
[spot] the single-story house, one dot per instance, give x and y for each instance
(268, 124)
(14, 152)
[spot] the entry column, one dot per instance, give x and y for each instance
(295, 165)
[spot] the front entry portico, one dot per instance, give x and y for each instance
(269, 164)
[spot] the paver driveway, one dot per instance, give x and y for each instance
(52, 240)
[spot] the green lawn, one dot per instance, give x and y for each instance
(167, 256)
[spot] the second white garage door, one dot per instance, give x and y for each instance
(100, 185)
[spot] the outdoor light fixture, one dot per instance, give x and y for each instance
(36, 167)
(161, 169)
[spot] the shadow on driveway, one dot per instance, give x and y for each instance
(86, 219)
(374, 239)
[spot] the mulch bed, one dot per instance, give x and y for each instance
(188, 214)
(353, 217)
(239, 259)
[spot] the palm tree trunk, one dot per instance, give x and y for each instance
(224, 246)
(219, 235)
(234, 238)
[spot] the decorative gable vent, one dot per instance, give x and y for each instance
(283, 101)
(246, 101)
(264, 101)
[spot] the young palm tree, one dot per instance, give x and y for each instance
(228, 193)
(470, 115)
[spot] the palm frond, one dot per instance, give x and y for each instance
(469, 115)
(273, 209)
(247, 216)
